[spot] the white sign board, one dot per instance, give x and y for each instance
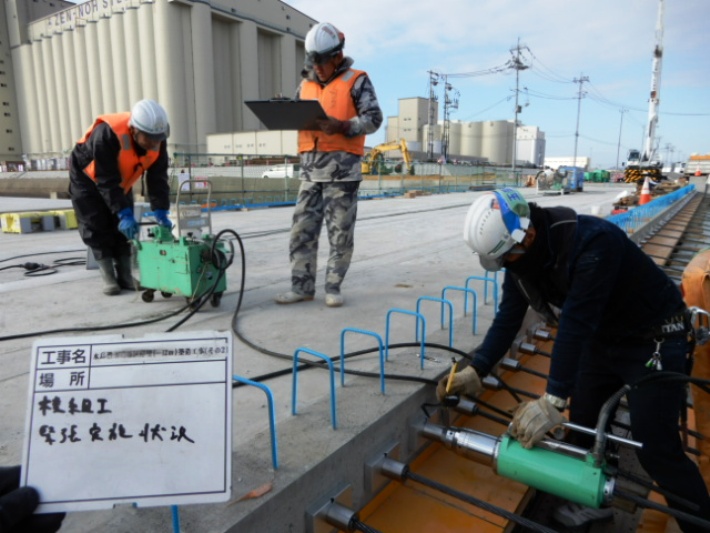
(142, 421)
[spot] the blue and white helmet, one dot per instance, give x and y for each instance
(495, 222)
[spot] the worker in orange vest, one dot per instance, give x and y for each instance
(106, 162)
(330, 164)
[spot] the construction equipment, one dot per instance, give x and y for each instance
(191, 265)
(550, 181)
(374, 161)
(641, 165)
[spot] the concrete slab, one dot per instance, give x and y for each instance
(405, 248)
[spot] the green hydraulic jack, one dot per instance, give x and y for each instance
(190, 265)
(552, 466)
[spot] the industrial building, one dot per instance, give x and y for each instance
(63, 64)
(490, 141)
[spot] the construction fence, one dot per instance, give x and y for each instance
(239, 180)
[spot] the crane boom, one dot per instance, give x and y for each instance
(654, 100)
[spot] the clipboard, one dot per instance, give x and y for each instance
(288, 114)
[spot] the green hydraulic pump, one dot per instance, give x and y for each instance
(187, 266)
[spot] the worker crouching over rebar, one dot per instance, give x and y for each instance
(620, 319)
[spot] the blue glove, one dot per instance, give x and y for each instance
(161, 215)
(128, 225)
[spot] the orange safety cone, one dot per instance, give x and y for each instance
(697, 172)
(645, 193)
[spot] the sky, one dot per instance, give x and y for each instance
(610, 42)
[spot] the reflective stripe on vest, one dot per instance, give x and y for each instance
(130, 165)
(338, 103)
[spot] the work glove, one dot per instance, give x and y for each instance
(161, 215)
(331, 126)
(464, 382)
(127, 225)
(17, 505)
(535, 418)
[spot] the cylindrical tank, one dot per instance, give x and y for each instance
(471, 139)
(108, 86)
(149, 72)
(133, 49)
(454, 138)
(28, 106)
(82, 95)
(497, 143)
(48, 60)
(93, 62)
(72, 103)
(119, 68)
(44, 132)
(203, 75)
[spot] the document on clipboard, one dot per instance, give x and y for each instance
(288, 114)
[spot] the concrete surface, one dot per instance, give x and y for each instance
(405, 248)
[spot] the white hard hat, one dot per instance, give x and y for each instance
(323, 41)
(495, 222)
(150, 117)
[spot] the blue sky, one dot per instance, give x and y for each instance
(609, 41)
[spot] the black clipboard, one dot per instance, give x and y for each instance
(288, 114)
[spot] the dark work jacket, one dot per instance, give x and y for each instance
(103, 148)
(604, 286)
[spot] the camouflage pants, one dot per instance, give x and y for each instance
(336, 203)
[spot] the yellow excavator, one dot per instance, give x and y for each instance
(373, 162)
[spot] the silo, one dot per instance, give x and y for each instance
(149, 71)
(203, 76)
(48, 60)
(119, 67)
(454, 139)
(471, 139)
(72, 103)
(44, 130)
(83, 95)
(497, 141)
(93, 62)
(131, 34)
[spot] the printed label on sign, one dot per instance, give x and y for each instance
(143, 421)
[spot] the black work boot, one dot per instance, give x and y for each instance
(111, 286)
(125, 273)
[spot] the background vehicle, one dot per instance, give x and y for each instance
(373, 162)
(282, 171)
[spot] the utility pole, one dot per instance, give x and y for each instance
(580, 94)
(516, 63)
(618, 146)
(450, 102)
(433, 82)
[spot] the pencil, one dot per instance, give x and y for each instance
(451, 375)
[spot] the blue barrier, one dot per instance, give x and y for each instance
(633, 219)
(486, 280)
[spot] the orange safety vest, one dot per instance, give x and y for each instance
(130, 164)
(337, 102)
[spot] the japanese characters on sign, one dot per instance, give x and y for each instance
(114, 421)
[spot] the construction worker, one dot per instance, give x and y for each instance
(330, 164)
(620, 318)
(106, 162)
